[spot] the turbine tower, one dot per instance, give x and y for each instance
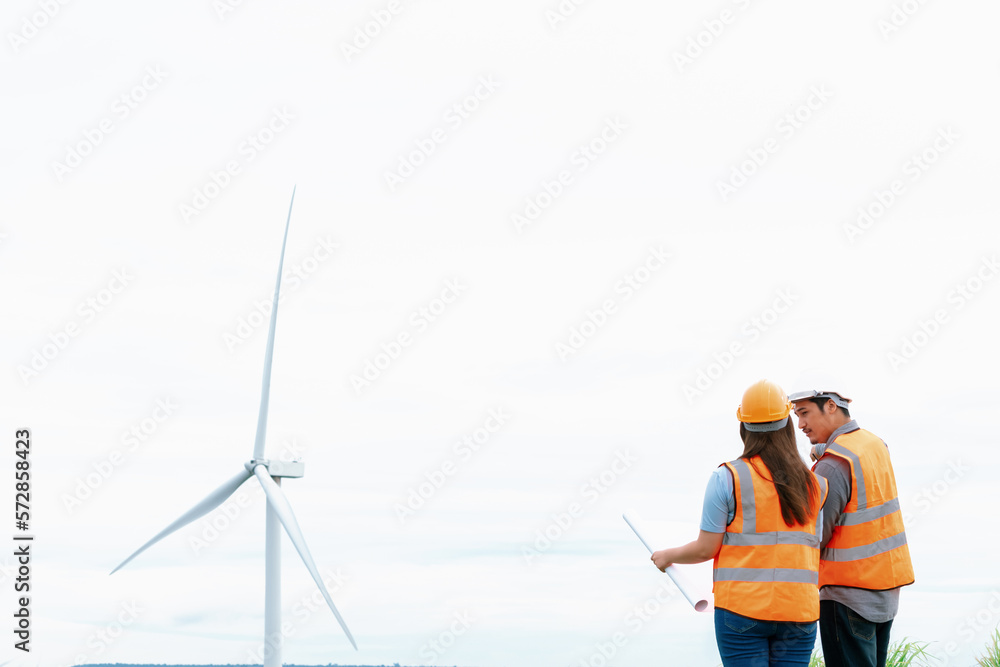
(279, 511)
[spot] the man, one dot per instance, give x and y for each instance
(864, 558)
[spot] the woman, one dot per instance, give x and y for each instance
(761, 523)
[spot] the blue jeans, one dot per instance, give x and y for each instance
(849, 639)
(747, 642)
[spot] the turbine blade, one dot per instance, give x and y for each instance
(258, 444)
(213, 500)
(276, 498)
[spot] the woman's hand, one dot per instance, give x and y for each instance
(702, 549)
(661, 560)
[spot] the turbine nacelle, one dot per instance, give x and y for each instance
(278, 468)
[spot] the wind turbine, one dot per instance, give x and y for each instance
(279, 511)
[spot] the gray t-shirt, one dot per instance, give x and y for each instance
(875, 606)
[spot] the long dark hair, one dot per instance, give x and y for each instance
(792, 479)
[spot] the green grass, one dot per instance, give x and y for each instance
(904, 654)
(992, 656)
(915, 654)
(901, 654)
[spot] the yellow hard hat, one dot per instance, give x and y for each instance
(764, 407)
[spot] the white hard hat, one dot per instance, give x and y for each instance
(816, 384)
(842, 401)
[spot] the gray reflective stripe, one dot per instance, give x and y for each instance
(755, 574)
(747, 502)
(856, 473)
(775, 537)
(864, 551)
(849, 427)
(869, 514)
(819, 510)
(749, 535)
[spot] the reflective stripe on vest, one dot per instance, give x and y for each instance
(750, 510)
(866, 551)
(765, 568)
(868, 546)
(782, 574)
(774, 537)
(869, 513)
(862, 494)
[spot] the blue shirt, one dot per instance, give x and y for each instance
(719, 507)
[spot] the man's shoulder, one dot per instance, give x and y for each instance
(863, 434)
(831, 465)
(837, 473)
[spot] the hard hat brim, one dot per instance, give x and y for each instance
(841, 401)
(766, 427)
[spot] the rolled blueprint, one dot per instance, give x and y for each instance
(690, 591)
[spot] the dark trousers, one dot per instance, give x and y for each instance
(850, 640)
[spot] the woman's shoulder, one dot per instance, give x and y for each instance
(722, 479)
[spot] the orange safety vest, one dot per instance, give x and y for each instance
(766, 569)
(868, 546)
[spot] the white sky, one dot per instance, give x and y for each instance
(337, 126)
